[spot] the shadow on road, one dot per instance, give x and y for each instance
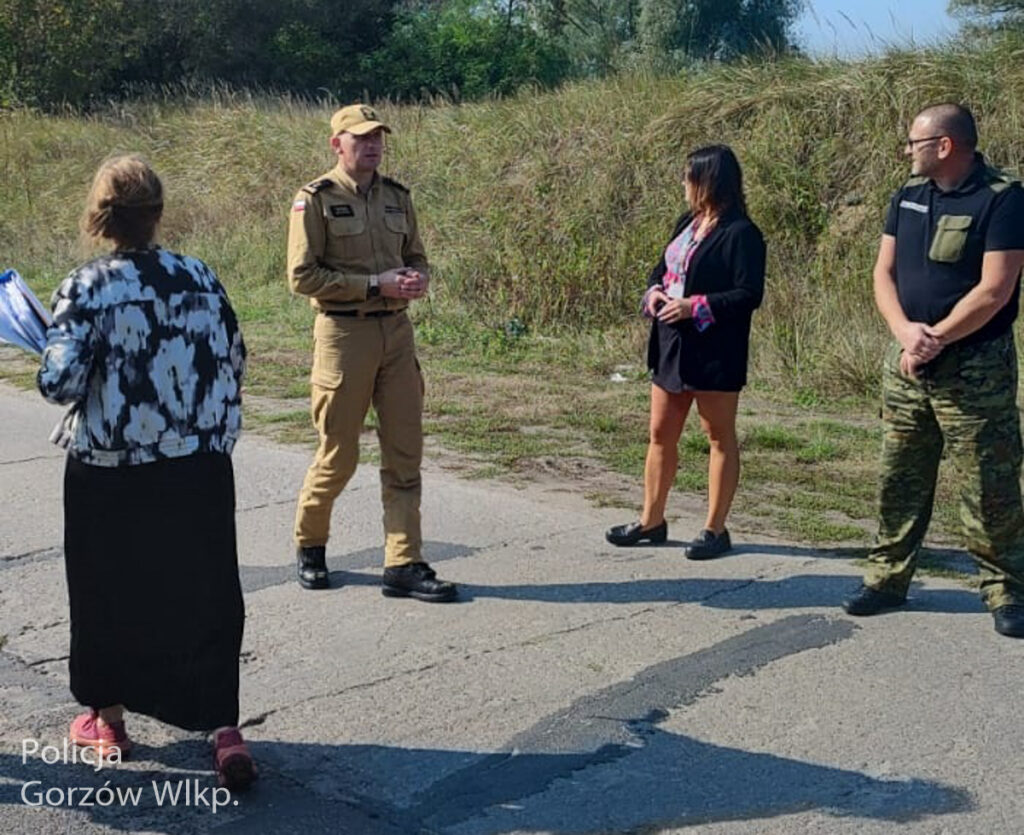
(669, 781)
(600, 764)
(343, 569)
(797, 592)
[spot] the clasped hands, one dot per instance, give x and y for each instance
(403, 283)
(667, 309)
(921, 344)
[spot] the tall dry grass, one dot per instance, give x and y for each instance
(549, 207)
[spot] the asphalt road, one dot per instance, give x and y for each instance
(576, 689)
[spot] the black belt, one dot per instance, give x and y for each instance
(374, 313)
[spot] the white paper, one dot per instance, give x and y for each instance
(23, 319)
(41, 312)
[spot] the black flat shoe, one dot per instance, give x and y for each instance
(312, 566)
(633, 533)
(1009, 620)
(868, 601)
(708, 545)
(419, 581)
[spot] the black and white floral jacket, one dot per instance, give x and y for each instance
(146, 347)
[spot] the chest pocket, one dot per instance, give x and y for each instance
(342, 227)
(396, 222)
(950, 238)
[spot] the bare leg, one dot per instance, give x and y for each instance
(668, 416)
(717, 410)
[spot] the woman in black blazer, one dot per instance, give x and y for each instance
(700, 298)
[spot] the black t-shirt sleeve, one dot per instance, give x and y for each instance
(890, 216)
(1006, 227)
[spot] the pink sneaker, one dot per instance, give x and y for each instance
(232, 761)
(108, 740)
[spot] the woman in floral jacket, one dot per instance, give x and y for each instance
(146, 348)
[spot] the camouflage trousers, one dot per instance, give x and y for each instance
(965, 401)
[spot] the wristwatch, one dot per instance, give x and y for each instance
(373, 288)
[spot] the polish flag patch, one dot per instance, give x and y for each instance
(299, 206)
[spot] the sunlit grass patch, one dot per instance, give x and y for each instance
(817, 528)
(771, 437)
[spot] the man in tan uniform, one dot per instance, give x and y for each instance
(355, 251)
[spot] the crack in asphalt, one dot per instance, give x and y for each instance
(264, 505)
(38, 555)
(30, 627)
(15, 671)
(42, 661)
(30, 459)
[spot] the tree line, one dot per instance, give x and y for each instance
(54, 52)
(76, 51)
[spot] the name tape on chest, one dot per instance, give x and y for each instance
(393, 210)
(914, 207)
(342, 211)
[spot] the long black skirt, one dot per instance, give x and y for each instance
(156, 604)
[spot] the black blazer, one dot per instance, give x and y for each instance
(728, 268)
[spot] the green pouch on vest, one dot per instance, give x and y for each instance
(950, 238)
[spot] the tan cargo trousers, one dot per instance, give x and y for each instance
(358, 361)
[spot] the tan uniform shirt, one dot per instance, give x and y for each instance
(339, 237)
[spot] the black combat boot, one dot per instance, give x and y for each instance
(1009, 620)
(312, 566)
(417, 580)
(868, 601)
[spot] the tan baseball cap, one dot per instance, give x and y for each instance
(358, 119)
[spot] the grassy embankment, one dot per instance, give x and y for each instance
(542, 215)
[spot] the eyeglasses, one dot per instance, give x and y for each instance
(910, 143)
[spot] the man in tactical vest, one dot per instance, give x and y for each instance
(947, 284)
(354, 250)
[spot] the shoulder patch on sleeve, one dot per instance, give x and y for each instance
(316, 185)
(394, 183)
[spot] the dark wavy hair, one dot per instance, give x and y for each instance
(714, 172)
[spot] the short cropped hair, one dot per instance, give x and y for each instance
(714, 173)
(955, 121)
(125, 203)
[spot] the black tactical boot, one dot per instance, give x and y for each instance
(417, 580)
(312, 566)
(868, 601)
(1009, 620)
